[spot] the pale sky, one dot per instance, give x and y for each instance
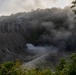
(13, 6)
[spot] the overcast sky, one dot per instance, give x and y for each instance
(13, 6)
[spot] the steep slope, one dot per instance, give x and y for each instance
(49, 59)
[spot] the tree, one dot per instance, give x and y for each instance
(11, 68)
(73, 6)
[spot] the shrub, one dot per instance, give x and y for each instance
(65, 67)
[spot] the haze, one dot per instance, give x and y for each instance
(8, 7)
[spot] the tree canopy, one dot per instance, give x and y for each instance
(73, 6)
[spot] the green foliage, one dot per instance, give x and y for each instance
(39, 72)
(72, 65)
(11, 68)
(60, 66)
(65, 67)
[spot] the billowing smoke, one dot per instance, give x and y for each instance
(40, 50)
(40, 31)
(42, 54)
(54, 27)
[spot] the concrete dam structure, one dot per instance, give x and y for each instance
(12, 41)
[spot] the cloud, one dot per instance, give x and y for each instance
(14, 6)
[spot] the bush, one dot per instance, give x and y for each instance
(11, 68)
(65, 67)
